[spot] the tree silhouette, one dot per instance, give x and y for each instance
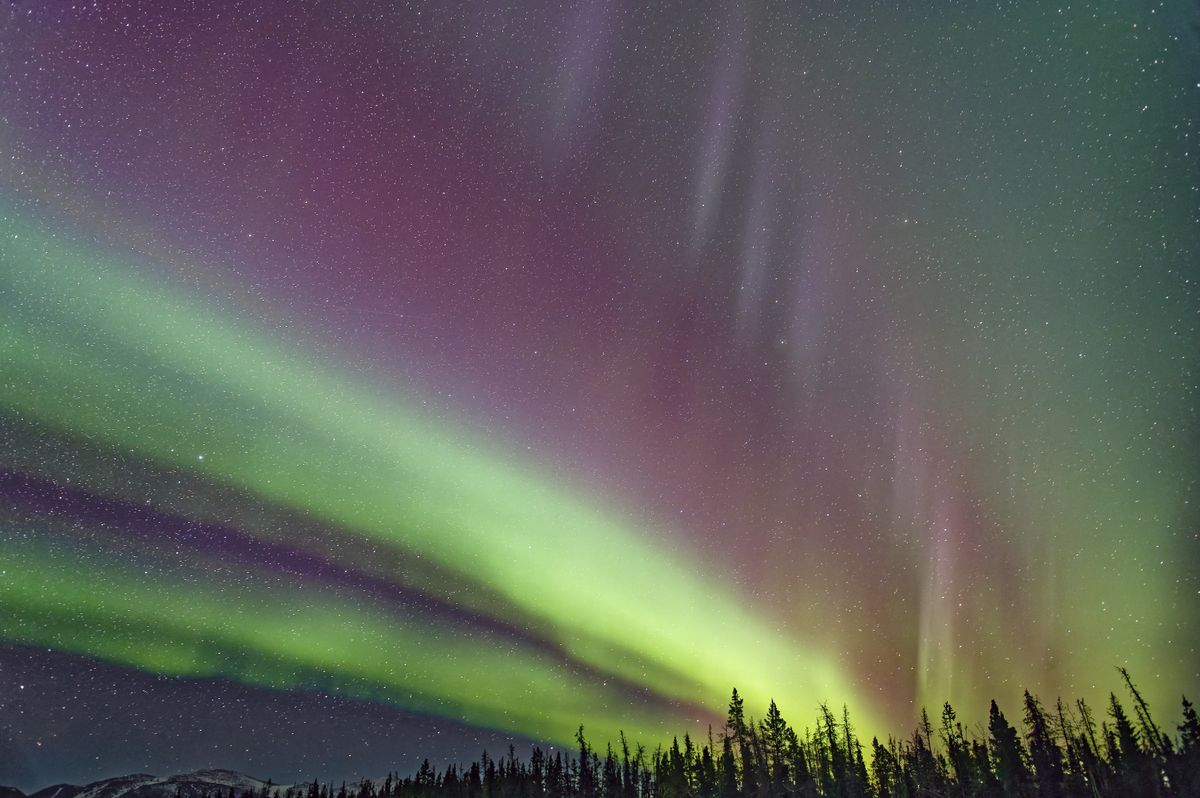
(1044, 752)
(1067, 756)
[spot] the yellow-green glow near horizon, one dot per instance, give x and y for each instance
(103, 353)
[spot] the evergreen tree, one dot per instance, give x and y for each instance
(475, 783)
(491, 778)
(799, 772)
(628, 782)
(860, 784)
(645, 790)
(727, 770)
(537, 771)
(836, 784)
(611, 780)
(749, 765)
(1185, 763)
(820, 762)
(774, 737)
(736, 722)
(885, 769)
(671, 772)
(758, 759)
(556, 784)
(586, 785)
(1157, 744)
(736, 726)
(449, 783)
(986, 783)
(706, 774)
(1075, 771)
(1008, 758)
(690, 762)
(1044, 752)
(1130, 763)
(926, 771)
(1189, 730)
(958, 751)
(1070, 756)
(1095, 769)
(856, 781)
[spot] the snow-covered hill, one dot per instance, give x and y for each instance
(199, 784)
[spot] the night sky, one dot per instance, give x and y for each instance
(382, 380)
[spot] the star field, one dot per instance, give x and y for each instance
(474, 371)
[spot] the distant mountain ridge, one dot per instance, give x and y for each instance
(198, 784)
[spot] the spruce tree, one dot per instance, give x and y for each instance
(837, 756)
(706, 773)
(774, 737)
(800, 775)
(1189, 730)
(1157, 744)
(884, 768)
(727, 770)
(957, 750)
(611, 780)
(1130, 761)
(1044, 752)
(628, 782)
(736, 722)
(925, 769)
(586, 786)
(1008, 758)
(1185, 763)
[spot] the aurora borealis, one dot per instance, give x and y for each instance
(484, 371)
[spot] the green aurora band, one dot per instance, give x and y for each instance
(101, 352)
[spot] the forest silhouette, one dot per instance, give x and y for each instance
(1062, 751)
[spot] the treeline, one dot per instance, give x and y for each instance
(1062, 751)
